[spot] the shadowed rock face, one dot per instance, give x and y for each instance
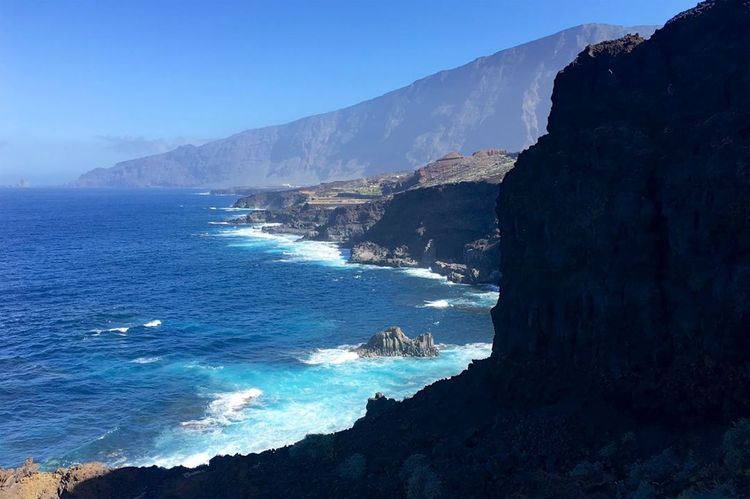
(626, 230)
(499, 100)
(394, 343)
(451, 228)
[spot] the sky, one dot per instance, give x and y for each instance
(84, 84)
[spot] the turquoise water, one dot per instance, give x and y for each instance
(138, 329)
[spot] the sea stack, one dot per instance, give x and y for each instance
(394, 343)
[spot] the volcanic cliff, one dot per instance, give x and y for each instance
(440, 216)
(620, 361)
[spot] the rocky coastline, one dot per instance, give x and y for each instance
(439, 217)
(621, 356)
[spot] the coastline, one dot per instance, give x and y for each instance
(285, 252)
(431, 270)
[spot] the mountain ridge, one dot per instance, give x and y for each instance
(498, 100)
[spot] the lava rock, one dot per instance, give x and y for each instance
(394, 343)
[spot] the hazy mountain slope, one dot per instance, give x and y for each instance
(497, 101)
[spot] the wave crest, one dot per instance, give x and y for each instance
(225, 409)
(292, 247)
(331, 356)
(146, 360)
(437, 304)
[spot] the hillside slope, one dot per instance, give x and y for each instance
(497, 101)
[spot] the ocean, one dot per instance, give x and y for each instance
(137, 329)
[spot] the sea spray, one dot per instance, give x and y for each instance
(328, 394)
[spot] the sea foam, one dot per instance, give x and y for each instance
(225, 409)
(146, 360)
(331, 356)
(469, 299)
(437, 304)
(154, 323)
(328, 394)
(425, 274)
(292, 247)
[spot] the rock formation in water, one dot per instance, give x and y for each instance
(620, 362)
(502, 99)
(394, 343)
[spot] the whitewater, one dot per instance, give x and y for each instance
(140, 330)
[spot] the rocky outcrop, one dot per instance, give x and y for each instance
(394, 343)
(440, 216)
(27, 482)
(627, 228)
(501, 99)
(369, 253)
(274, 200)
(449, 228)
(347, 223)
(486, 165)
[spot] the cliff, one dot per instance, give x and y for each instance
(440, 216)
(627, 227)
(620, 356)
(501, 99)
(436, 227)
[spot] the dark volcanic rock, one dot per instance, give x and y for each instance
(372, 254)
(441, 214)
(273, 200)
(303, 220)
(394, 343)
(626, 230)
(345, 223)
(451, 224)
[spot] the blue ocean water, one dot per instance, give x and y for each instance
(137, 329)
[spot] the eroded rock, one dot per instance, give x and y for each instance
(394, 343)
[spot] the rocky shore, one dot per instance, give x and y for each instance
(621, 354)
(446, 228)
(440, 217)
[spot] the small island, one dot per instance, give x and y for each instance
(394, 343)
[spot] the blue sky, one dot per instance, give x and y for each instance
(84, 84)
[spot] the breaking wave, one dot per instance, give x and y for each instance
(225, 409)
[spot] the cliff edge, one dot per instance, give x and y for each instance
(626, 229)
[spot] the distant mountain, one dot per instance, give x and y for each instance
(500, 100)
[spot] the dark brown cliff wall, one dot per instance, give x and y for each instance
(625, 232)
